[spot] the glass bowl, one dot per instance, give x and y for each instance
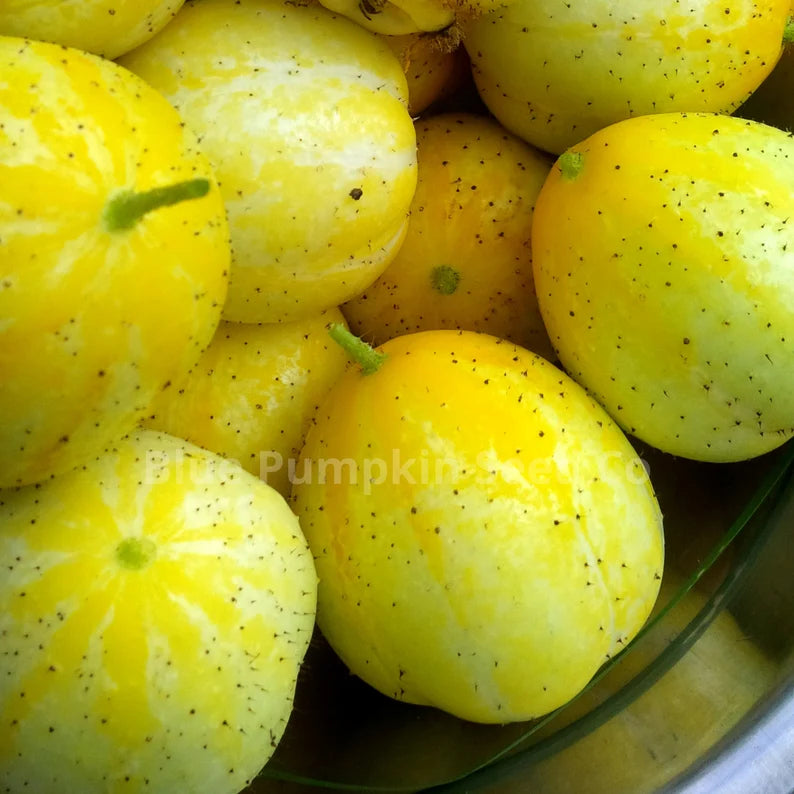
(702, 699)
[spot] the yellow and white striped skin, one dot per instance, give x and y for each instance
(252, 394)
(555, 72)
(466, 261)
(663, 258)
(93, 321)
(494, 574)
(154, 610)
(303, 114)
(104, 27)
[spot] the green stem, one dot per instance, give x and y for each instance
(571, 164)
(135, 553)
(445, 279)
(788, 31)
(127, 207)
(363, 354)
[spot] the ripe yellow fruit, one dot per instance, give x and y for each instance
(303, 114)
(253, 392)
(401, 17)
(395, 17)
(155, 607)
(466, 261)
(432, 70)
(555, 72)
(104, 27)
(95, 317)
(663, 251)
(485, 536)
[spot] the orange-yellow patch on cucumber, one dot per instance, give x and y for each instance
(114, 255)
(664, 275)
(466, 261)
(304, 116)
(485, 536)
(252, 394)
(154, 610)
(432, 69)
